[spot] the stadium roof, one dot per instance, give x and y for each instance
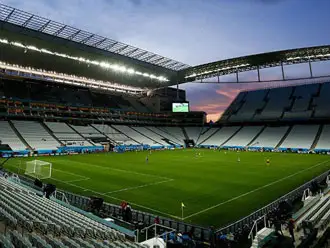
(255, 62)
(44, 25)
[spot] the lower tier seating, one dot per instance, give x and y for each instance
(36, 214)
(301, 136)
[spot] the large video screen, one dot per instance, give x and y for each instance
(180, 107)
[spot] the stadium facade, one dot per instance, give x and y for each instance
(65, 90)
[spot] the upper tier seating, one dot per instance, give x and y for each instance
(270, 137)
(114, 135)
(301, 137)
(36, 135)
(234, 106)
(23, 207)
(278, 100)
(137, 105)
(193, 132)
(134, 135)
(8, 136)
(66, 134)
(253, 102)
(244, 136)
(322, 102)
(324, 140)
(302, 96)
(221, 136)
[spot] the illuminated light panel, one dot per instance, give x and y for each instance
(106, 65)
(217, 70)
(72, 79)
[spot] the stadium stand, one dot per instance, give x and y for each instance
(159, 131)
(277, 101)
(193, 133)
(244, 136)
(234, 106)
(66, 134)
(114, 134)
(220, 137)
(253, 101)
(322, 102)
(53, 224)
(301, 137)
(87, 131)
(134, 135)
(8, 136)
(206, 133)
(176, 132)
(270, 137)
(153, 136)
(35, 135)
(324, 139)
(302, 99)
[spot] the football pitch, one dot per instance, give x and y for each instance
(215, 187)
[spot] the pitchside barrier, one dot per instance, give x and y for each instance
(202, 233)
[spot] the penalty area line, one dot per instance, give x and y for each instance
(255, 190)
(115, 198)
(138, 187)
(77, 180)
(70, 173)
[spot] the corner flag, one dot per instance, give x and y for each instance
(182, 205)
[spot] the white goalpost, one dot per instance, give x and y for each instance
(39, 169)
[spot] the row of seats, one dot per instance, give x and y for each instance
(298, 136)
(49, 224)
(65, 133)
(36, 135)
(317, 214)
(37, 213)
(15, 239)
(8, 136)
(70, 96)
(287, 103)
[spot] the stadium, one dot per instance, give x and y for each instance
(99, 147)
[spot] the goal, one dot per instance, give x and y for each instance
(39, 169)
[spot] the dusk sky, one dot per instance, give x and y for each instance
(200, 31)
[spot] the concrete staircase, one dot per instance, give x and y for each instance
(262, 237)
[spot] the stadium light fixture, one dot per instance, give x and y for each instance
(104, 64)
(70, 79)
(217, 70)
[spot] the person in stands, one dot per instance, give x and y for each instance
(157, 220)
(291, 227)
(123, 205)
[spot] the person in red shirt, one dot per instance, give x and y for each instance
(157, 220)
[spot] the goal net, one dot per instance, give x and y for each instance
(39, 169)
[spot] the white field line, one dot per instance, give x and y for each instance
(125, 171)
(70, 173)
(255, 190)
(115, 198)
(77, 180)
(140, 186)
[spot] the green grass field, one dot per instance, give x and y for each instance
(215, 188)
